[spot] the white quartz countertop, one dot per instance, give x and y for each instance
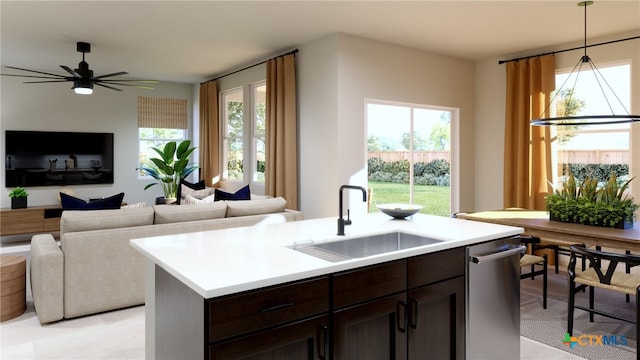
(222, 262)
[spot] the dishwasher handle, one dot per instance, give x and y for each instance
(479, 259)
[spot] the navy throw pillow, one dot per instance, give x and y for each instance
(195, 186)
(242, 194)
(69, 202)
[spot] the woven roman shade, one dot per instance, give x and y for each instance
(164, 113)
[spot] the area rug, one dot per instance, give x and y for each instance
(602, 339)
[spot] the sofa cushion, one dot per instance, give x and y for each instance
(243, 193)
(172, 213)
(73, 220)
(256, 207)
(185, 186)
(69, 202)
(198, 194)
(134, 205)
(190, 200)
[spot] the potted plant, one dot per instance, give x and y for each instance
(589, 204)
(170, 168)
(18, 198)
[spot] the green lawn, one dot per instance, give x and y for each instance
(435, 199)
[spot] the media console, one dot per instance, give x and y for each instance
(35, 219)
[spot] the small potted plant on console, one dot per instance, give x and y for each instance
(18, 198)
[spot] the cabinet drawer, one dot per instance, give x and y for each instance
(256, 310)
(371, 282)
(51, 224)
(429, 268)
(21, 221)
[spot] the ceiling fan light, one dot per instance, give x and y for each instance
(82, 87)
(83, 91)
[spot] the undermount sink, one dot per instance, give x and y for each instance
(352, 248)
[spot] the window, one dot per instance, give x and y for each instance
(233, 115)
(409, 155)
(156, 137)
(244, 141)
(593, 150)
(160, 120)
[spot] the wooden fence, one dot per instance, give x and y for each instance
(418, 156)
(564, 156)
(594, 157)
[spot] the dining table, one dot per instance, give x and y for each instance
(537, 223)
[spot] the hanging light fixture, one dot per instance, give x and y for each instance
(587, 119)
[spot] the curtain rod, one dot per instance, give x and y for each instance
(560, 51)
(294, 51)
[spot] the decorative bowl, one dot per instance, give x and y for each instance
(399, 211)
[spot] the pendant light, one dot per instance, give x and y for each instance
(587, 119)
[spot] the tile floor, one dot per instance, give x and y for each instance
(119, 335)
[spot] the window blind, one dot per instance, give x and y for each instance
(165, 113)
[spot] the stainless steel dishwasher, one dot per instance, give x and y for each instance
(493, 299)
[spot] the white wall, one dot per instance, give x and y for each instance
(55, 107)
(335, 76)
(490, 107)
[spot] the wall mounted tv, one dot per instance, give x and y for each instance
(51, 158)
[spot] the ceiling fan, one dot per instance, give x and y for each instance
(82, 77)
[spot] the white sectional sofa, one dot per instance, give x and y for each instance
(94, 269)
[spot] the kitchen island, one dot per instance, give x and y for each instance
(244, 291)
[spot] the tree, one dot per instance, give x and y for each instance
(373, 143)
(419, 143)
(439, 137)
(235, 124)
(568, 105)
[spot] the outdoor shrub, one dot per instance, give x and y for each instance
(600, 172)
(434, 173)
(375, 165)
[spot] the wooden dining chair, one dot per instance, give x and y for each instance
(536, 265)
(602, 273)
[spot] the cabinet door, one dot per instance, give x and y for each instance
(436, 320)
(306, 339)
(373, 330)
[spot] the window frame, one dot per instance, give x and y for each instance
(454, 144)
(249, 136)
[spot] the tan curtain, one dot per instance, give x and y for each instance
(281, 173)
(209, 133)
(527, 161)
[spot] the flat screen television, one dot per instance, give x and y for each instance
(52, 158)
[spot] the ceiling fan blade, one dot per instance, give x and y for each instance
(139, 86)
(113, 74)
(140, 81)
(108, 87)
(40, 82)
(62, 78)
(34, 71)
(72, 72)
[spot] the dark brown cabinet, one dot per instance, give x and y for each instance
(408, 309)
(373, 330)
(404, 309)
(436, 320)
(369, 312)
(436, 303)
(304, 340)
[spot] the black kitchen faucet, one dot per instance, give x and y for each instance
(342, 222)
